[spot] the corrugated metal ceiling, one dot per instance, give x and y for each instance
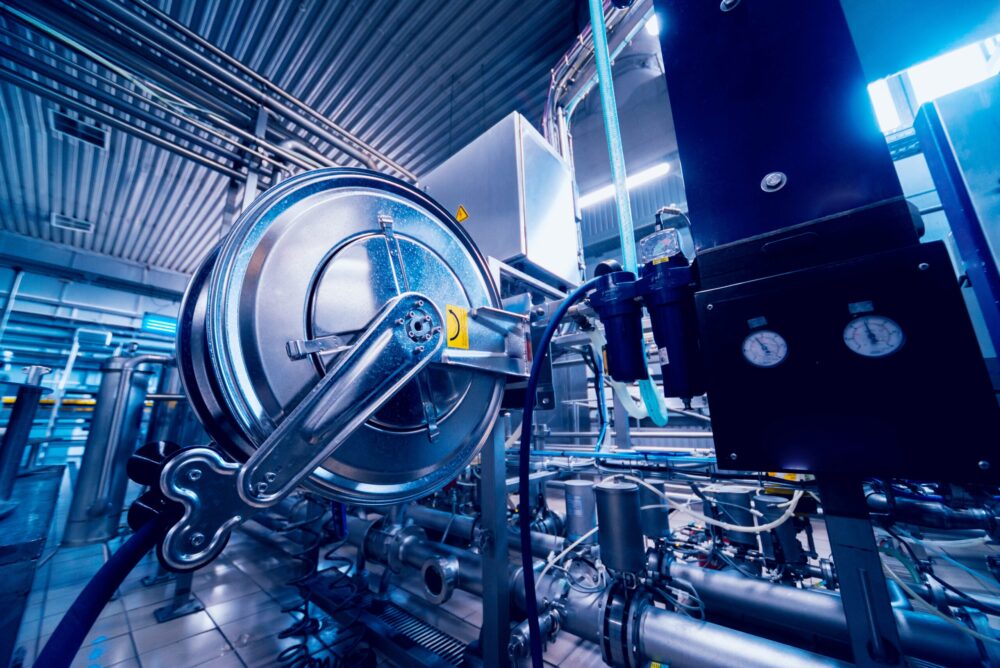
(416, 80)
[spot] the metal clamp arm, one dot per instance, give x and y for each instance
(216, 494)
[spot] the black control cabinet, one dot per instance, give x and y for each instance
(914, 402)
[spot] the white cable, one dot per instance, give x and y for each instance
(927, 607)
(555, 560)
(739, 528)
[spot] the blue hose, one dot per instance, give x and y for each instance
(602, 404)
(655, 406)
(65, 641)
(524, 461)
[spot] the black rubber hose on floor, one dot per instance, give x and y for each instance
(65, 641)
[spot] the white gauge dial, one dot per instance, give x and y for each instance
(765, 348)
(873, 336)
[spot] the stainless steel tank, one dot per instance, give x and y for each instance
(96, 509)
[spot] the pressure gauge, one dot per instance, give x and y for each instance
(873, 336)
(765, 348)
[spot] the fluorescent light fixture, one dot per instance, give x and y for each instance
(653, 25)
(159, 324)
(634, 181)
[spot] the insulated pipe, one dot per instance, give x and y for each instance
(807, 614)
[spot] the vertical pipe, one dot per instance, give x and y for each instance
(18, 430)
(8, 307)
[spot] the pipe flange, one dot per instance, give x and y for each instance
(440, 577)
(396, 538)
(620, 626)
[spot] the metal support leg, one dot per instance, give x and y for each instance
(183, 602)
(496, 594)
(623, 437)
(162, 575)
(870, 619)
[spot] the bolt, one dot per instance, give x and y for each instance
(984, 465)
(710, 307)
(427, 318)
(420, 302)
(773, 182)
(732, 455)
(261, 487)
(418, 349)
(270, 476)
(399, 321)
(411, 314)
(196, 539)
(923, 266)
(427, 337)
(194, 474)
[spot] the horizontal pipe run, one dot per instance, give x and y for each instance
(189, 34)
(33, 87)
(582, 612)
(636, 433)
(806, 614)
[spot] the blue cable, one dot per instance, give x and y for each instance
(602, 404)
(524, 461)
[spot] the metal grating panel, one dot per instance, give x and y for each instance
(422, 633)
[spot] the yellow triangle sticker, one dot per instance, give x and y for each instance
(461, 215)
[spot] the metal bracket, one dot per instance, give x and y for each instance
(217, 494)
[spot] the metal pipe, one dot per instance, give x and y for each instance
(305, 149)
(145, 31)
(22, 417)
(637, 433)
(679, 641)
(8, 306)
(929, 513)
(582, 613)
(806, 615)
(257, 152)
(263, 81)
(23, 82)
(464, 526)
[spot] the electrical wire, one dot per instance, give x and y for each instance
(572, 546)
(739, 528)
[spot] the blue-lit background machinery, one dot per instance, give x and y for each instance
(356, 346)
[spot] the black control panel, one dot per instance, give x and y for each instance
(867, 366)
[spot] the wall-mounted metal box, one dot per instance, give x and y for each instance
(517, 194)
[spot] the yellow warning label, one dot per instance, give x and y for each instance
(661, 260)
(458, 327)
(461, 216)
